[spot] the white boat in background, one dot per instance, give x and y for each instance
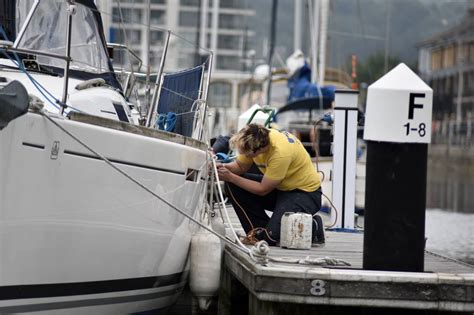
(76, 236)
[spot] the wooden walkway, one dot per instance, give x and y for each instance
(446, 284)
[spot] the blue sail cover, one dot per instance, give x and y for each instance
(178, 94)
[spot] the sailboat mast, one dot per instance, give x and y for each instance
(148, 59)
(314, 15)
(297, 25)
(322, 40)
(271, 48)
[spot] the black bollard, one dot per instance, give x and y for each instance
(394, 232)
(397, 130)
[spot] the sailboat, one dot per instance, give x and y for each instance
(96, 210)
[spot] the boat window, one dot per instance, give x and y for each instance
(47, 33)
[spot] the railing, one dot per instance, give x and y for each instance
(450, 132)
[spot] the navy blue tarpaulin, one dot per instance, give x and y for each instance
(178, 94)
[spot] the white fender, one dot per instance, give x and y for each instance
(206, 256)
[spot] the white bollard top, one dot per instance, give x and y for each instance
(399, 108)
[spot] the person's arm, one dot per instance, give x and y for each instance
(258, 188)
(236, 167)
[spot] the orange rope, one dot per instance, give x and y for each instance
(251, 233)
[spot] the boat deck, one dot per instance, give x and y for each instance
(446, 284)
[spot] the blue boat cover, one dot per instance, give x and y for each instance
(301, 87)
(178, 94)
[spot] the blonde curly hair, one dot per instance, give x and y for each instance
(250, 139)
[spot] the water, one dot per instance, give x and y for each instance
(450, 234)
(450, 199)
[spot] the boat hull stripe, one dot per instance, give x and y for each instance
(88, 302)
(84, 155)
(92, 287)
(33, 145)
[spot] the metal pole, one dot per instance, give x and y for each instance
(314, 22)
(71, 11)
(214, 27)
(206, 91)
(148, 67)
(322, 40)
(271, 48)
(297, 25)
(203, 29)
(158, 83)
(25, 25)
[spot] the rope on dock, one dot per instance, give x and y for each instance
(308, 260)
(259, 253)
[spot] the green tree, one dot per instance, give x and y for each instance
(374, 68)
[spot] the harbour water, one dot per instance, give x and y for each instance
(450, 234)
(450, 202)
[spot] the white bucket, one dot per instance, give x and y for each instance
(296, 230)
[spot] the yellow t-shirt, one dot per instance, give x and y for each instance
(288, 161)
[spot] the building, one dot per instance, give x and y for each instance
(446, 63)
(218, 25)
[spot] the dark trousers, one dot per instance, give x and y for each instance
(250, 208)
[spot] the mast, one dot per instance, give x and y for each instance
(271, 48)
(297, 25)
(322, 40)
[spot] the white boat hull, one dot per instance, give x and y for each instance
(78, 237)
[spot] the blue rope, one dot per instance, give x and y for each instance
(170, 121)
(160, 122)
(166, 122)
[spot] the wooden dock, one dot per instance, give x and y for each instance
(446, 286)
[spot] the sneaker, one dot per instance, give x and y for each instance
(318, 231)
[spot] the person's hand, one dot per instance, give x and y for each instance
(224, 173)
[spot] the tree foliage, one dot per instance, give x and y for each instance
(374, 67)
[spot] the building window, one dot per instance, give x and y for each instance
(229, 42)
(232, 4)
(231, 21)
(471, 53)
(220, 94)
(129, 15)
(157, 17)
(436, 59)
(127, 37)
(448, 57)
(156, 37)
(188, 19)
(228, 63)
(193, 3)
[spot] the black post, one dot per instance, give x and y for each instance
(398, 131)
(394, 226)
(271, 47)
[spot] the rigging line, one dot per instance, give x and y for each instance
(178, 94)
(125, 174)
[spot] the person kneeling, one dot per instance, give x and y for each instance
(290, 182)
